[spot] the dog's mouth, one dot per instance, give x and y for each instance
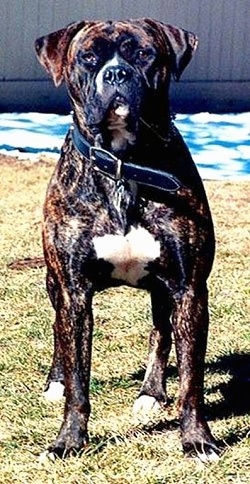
(118, 113)
(118, 108)
(118, 125)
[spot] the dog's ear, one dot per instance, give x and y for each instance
(181, 45)
(52, 49)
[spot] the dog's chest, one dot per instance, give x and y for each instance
(129, 254)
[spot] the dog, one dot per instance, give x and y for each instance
(126, 205)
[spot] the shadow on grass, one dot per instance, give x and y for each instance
(236, 392)
(236, 402)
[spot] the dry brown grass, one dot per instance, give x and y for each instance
(121, 450)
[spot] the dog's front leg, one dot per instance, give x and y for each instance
(190, 324)
(74, 325)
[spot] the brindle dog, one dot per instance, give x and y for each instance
(126, 205)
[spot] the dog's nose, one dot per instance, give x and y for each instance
(116, 75)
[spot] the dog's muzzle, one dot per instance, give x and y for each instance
(116, 84)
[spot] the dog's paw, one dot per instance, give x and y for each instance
(54, 392)
(208, 454)
(204, 453)
(46, 456)
(71, 440)
(61, 452)
(145, 406)
(64, 449)
(51, 455)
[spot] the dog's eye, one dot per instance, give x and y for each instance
(89, 58)
(142, 54)
(145, 55)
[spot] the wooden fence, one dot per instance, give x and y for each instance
(218, 78)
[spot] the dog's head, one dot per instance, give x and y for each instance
(111, 70)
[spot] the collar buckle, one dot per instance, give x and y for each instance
(117, 163)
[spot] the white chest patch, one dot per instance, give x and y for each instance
(129, 254)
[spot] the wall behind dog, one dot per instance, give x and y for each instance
(217, 79)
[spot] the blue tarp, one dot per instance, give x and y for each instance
(220, 144)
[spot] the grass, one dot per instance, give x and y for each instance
(121, 450)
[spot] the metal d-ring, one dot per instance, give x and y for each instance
(118, 169)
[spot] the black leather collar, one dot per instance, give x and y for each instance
(113, 167)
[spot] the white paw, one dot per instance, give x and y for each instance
(145, 405)
(207, 457)
(55, 391)
(46, 456)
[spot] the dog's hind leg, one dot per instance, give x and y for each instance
(153, 391)
(54, 388)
